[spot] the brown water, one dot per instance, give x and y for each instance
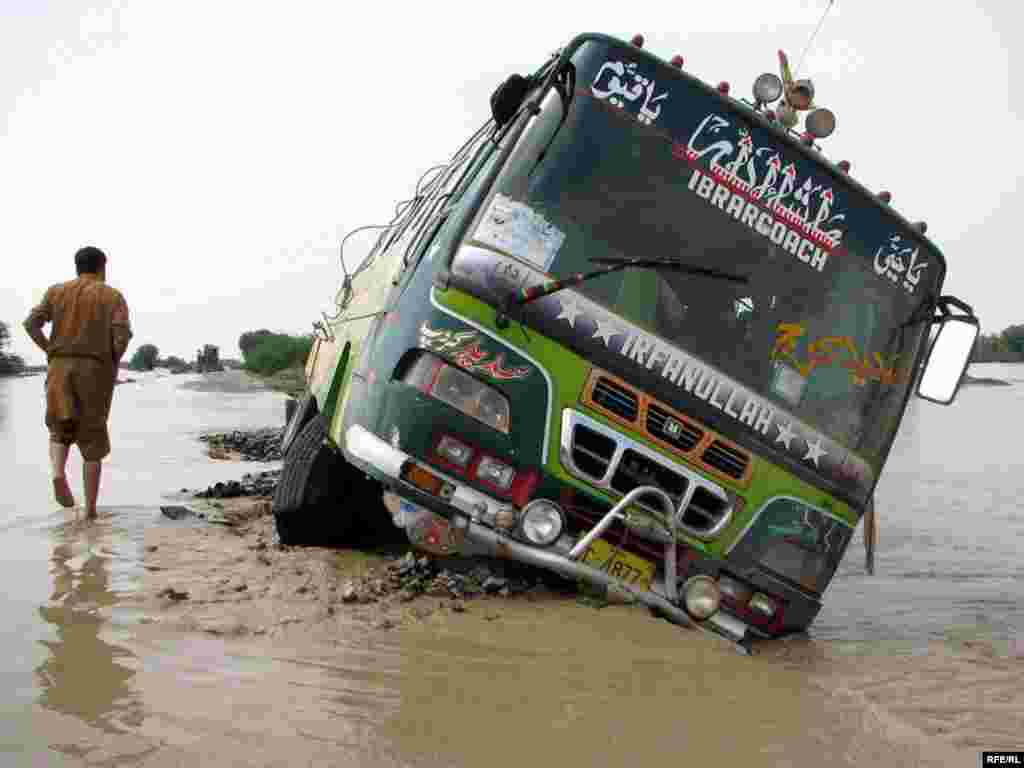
(88, 684)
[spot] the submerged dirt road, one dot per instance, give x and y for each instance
(264, 663)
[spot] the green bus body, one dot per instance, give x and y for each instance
(770, 407)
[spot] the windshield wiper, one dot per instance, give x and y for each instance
(612, 264)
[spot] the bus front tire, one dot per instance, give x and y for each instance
(309, 503)
(304, 410)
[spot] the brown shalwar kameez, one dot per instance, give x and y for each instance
(86, 314)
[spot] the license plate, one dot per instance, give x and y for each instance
(427, 531)
(633, 570)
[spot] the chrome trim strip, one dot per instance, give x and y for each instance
(505, 343)
(729, 624)
(571, 418)
(365, 445)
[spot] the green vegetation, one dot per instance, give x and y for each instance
(1004, 347)
(265, 353)
(291, 381)
(249, 339)
(145, 358)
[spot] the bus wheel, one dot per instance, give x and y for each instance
(303, 412)
(309, 503)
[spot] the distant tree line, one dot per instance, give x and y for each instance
(1004, 347)
(266, 352)
(147, 356)
(9, 363)
(171, 361)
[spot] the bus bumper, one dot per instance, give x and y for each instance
(470, 515)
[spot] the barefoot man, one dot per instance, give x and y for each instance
(89, 336)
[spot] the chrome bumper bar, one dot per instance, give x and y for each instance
(470, 507)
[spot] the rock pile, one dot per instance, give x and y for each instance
(413, 576)
(252, 445)
(251, 484)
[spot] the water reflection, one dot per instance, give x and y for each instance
(4, 395)
(85, 676)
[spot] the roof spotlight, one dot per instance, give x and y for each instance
(767, 88)
(638, 40)
(820, 123)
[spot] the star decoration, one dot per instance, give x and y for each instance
(570, 311)
(786, 434)
(606, 328)
(815, 451)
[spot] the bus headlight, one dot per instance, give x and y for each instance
(701, 596)
(542, 522)
(451, 385)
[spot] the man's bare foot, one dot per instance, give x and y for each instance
(62, 492)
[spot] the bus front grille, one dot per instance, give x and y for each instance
(616, 464)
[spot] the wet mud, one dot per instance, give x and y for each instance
(141, 640)
(202, 643)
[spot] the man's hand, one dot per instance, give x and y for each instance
(122, 334)
(40, 315)
(34, 328)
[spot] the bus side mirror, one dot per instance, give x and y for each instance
(948, 358)
(508, 97)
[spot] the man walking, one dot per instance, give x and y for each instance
(89, 337)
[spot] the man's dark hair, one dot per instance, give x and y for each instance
(90, 259)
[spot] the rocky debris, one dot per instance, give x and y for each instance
(349, 593)
(173, 594)
(494, 584)
(175, 511)
(216, 513)
(251, 445)
(414, 576)
(251, 484)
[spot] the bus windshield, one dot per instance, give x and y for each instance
(823, 327)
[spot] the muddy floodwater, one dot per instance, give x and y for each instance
(921, 664)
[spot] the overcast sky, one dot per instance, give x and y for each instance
(218, 151)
